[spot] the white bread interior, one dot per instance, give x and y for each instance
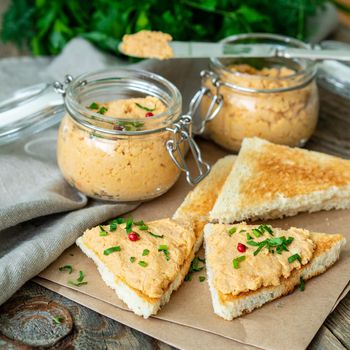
(327, 253)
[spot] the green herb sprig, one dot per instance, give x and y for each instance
(80, 280)
(112, 250)
(164, 248)
(68, 268)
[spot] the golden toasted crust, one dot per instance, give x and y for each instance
(200, 201)
(277, 170)
(324, 242)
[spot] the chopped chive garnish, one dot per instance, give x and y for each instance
(242, 231)
(265, 228)
(164, 248)
(80, 280)
(102, 231)
(139, 223)
(145, 108)
(302, 284)
(232, 230)
(201, 278)
(77, 284)
(112, 226)
(102, 110)
(112, 250)
(145, 252)
(81, 276)
(248, 236)
(294, 257)
(57, 319)
(253, 243)
(195, 267)
(94, 105)
(68, 268)
(128, 226)
(256, 232)
(154, 235)
(119, 220)
(261, 246)
(236, 261)
(132, 259)
(143, 263)
(143, 227)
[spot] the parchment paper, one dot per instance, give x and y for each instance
(290, 322)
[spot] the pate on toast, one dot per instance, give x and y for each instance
(143, 271)
(271, 265)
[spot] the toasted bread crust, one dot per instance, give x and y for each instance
(271, 181)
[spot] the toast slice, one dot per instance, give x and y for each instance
(144, 272)
(271, 181)
(239, 288)
(198, 202)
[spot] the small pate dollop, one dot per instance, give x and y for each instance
(267, 256)
(125, 168)
(147, 44)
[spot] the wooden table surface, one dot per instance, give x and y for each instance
(90, 330)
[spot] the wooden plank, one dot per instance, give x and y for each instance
(338, 322)
(325, 340)
(90, 331)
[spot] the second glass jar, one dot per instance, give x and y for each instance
(275, 98)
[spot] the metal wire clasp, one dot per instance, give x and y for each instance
(176, 148)
(60, 87)
(216, 100)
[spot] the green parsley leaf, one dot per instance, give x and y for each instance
(132, 259)
(102, 231)
(294, 257)
(302, 284)
(94, 105)
(143, 227)
(145, 252)
(236, 261)
(256, 232)
(145, 108)
(57, 319)
(68, 268)
(249, 237)
(119, 221)
(112, 250)
(143, 263)
(102, 110)
(154, 235)
(201, 278)
(164, 248)
(139, 223)
(232, 230)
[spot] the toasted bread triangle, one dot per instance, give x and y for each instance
(228, 306)
(271, 181)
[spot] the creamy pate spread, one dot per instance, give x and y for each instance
(287, 117)
(125, 168)
(150, 263)
(265, 259)
(147, 44)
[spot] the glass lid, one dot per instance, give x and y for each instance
(29, 111)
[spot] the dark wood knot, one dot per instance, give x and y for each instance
(35, 321)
